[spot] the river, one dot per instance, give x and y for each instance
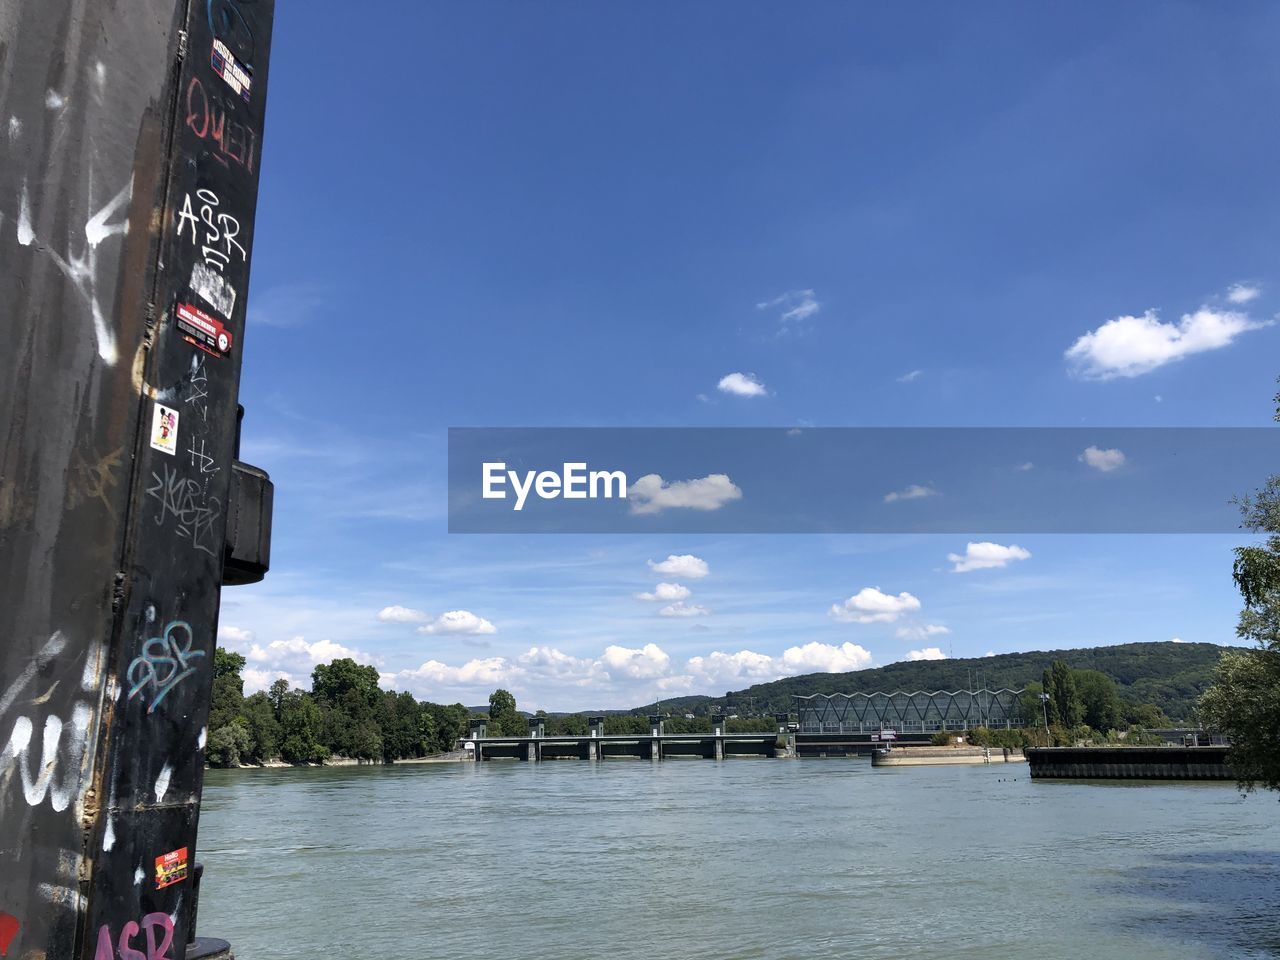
(686, 860)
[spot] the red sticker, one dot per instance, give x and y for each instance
(171, 868)
(206, 332)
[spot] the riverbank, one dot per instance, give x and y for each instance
(454, 756)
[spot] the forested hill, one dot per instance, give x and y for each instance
(1168, 675)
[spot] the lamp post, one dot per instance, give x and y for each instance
(1044, 708)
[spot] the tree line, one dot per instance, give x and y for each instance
(345, 714)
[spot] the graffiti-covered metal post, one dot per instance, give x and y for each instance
(130, 147)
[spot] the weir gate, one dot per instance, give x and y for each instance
(718, 744)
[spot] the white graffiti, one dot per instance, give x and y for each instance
(81, 269)
(54, 775)
(219, 244)
(42, 782)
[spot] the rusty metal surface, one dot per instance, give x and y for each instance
(128, 182)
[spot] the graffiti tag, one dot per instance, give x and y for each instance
(163, 664)
(182, 499)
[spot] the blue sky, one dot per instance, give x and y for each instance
(573, 214)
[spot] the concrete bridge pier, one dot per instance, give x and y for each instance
(595, 748)
(655, 736)
(476, 734)
(537, 731)
(718, 721)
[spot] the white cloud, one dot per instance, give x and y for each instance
(647, 662)
(682, 609)
(726, 669)
(458, 621)
(921, 631)
(293, 659)
(796, 307)
(913, 492)
(1024, 467)
(1177, 640)
(396, 614)
(817, 657)
(652, 494)
(1130, 346)
(910, 377)
(928, 653)
(666, 592)
(681, 565)
(742, 385)
(1243, 292)
(1104, 460)
(232, 637)
(869, 605)
(489, 671)
(986, 556)
(989, 653)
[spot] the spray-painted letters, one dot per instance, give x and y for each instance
(163, 664)
(195, 513)
(157, 933)
(219, 245)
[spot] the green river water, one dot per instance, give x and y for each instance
(685, 860)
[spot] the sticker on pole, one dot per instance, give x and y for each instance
(171, 868)
(237, 76)
(204, 331)
(164, 430)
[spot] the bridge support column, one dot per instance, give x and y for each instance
(595, 748)
(655, 732)
(476, 735)
(718, 721)
(537, 730)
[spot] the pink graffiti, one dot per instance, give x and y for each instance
(123, 949)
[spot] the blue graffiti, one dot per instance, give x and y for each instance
(163, 664)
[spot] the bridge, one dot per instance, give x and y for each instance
(596, 745)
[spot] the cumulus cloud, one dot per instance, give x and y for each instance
(742, 385)
(652, 494)
(1243, 292)
(986, 556)
(232, 637)
(1131, 346)
(1104, 460)
(681, 565)
(396, 614)
(666, 592)
(717, 669)
(293, 659)
(869, 605)
(794, 307)
(911, 376)
(928, 653)
(458, 622)
(913, 492)
(682, 609)
(643, 663)
(921, 631)
(1177, 640)
(817, 657)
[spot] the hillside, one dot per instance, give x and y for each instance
(1169, 675)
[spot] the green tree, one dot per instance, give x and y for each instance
(228, 688)
(504, 719)
(301, 729)
(333, 682)
(259, 718)
(1065, 703)
(1100, 701)
(276, 693)
(228, 745)
(1244, 701)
